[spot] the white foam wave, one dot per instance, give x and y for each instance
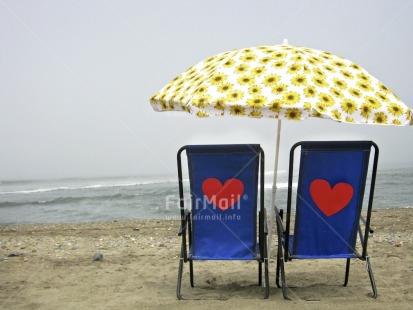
(86, 187)
(280, 185)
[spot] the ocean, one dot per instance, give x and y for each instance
(125, 198)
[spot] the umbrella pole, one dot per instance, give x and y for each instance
(274, 189)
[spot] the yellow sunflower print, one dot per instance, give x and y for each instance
(255, 90)
(265, 60)
(349, 119)
(329, 68)
(279, 64)
(280, 88)
(229, 63)
(409, 116)
(320, 82)
(299, 80)
(340, 83)
(383, 88)
(237, 110)
(336, 114)
(293, 114)
(257, 71)
(225, 87)
(373, 102)
(319, 73)
(202, 114)
(241, 69)
(349, 106)
(364, 77)
(326, 99)
(202, 90)
(186, 108)
(235, 95)
(315, 113)
(365, 110)
(336, 93)
(339, 64)
(218, 79)
(202, 101)
(347, 74)
(294, 69)
(395, 109)
(246, 80)
(271, 80)
(220, 104)
(297, 58)
(310, 91)
(279, 55)
(291, 97)
(282, 81)
(321, 108)
(355, 66)
(257, 102)
(382, 96)
(364, 86)
(355, 92)
(380, 118)
(276, 106)
(248, 57)
(255, 113)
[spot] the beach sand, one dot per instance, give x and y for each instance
(51, 267)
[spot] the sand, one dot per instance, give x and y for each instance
(52, 267)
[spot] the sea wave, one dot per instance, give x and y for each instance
(85, 187)
(280, 185)
(70, 200)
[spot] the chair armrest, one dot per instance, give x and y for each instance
(184, 222)
(263, 225)
(279, 218)
(262, 235)
(265, 222)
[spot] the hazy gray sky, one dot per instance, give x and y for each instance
(76, 76)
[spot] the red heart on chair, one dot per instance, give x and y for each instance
(223, 196)
(330, 200)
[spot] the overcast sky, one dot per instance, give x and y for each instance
(76, 76)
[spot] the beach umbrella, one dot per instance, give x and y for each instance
(282, 82)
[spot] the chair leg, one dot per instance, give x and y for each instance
(280, 265)
(277, 274)
(267, 279)
(191, 272)
(259, 273)
(347, 272)
(180, 270)
(373, 283)
(280, 269)
(283, 285)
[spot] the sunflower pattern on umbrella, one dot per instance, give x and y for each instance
(284, 82)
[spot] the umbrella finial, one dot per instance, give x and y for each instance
(285, 41)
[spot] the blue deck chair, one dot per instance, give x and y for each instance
(221, 223)
(329, 198)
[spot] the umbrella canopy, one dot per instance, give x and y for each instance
(284, 82)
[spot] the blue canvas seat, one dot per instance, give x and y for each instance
(329, 200)
(222, 222)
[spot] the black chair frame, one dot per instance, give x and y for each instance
(283, 252)
(185, 231)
